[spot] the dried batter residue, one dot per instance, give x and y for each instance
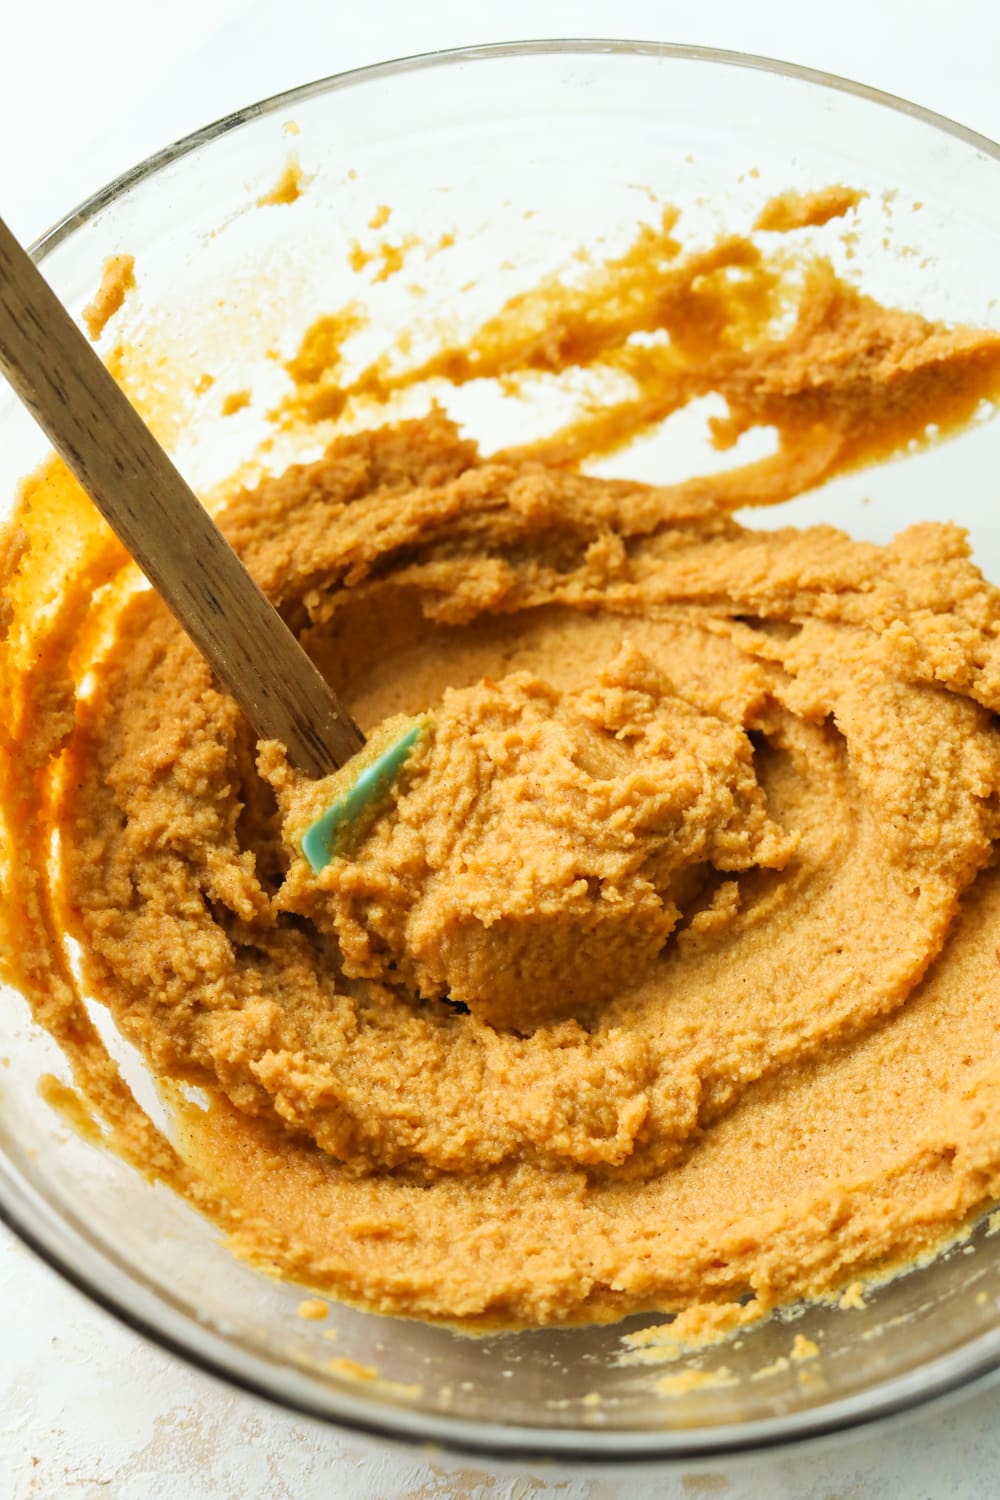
(389, 258)
(794, 210)
(117, 280)
(312, 1309)
(686, 1381)
(290, 185)
(352, 1369)
(233, 402)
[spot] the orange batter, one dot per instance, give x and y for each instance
(668, 976)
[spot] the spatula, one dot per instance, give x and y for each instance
(166, 529)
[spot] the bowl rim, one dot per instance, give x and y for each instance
(145, 1309)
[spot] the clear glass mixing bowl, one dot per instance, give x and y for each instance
(526, 153)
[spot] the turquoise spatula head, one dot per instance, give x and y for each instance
(332, 831)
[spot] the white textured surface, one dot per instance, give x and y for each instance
(87, 1410)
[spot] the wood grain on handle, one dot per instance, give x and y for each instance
(178, 546)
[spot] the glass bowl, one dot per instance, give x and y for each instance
(525, 153)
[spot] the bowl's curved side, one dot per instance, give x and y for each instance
(593, 46)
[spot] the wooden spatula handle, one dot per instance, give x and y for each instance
(137, 489)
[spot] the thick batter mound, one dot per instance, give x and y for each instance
(668, 975)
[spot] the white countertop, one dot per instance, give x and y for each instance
(87, 1409)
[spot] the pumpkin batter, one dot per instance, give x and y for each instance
(667, 978)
